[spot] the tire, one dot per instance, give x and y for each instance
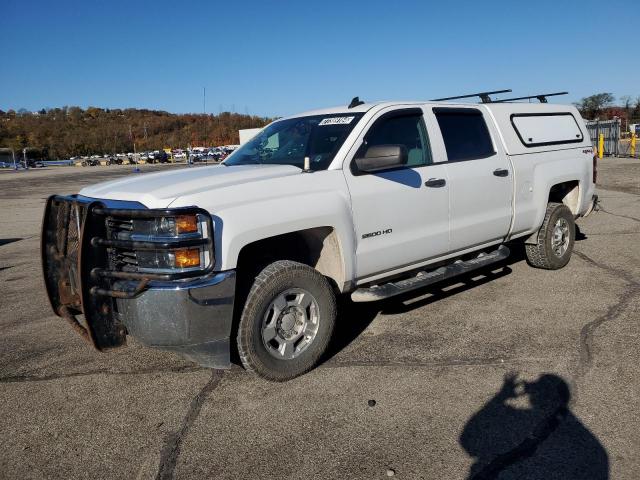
(547, 252)
(272, 319)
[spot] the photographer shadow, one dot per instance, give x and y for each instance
(527, 431)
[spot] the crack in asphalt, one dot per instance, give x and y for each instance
(612, 233)
(618, 215)
(171, 450)
(331, 364)
(452, 362)
(588, 330)
(616, 188)
(617, 272)
(56, 376)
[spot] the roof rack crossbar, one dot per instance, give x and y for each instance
(484, 96)
(542, 98)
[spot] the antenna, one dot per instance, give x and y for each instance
(542, 97)
(484, 96)
(355, 101)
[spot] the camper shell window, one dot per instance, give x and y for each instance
(541, 129)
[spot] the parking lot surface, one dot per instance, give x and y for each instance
(514, 373)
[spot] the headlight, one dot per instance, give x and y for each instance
(173, 226)
(171, 259)
(169, 243)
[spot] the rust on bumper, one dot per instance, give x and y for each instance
(67, 260)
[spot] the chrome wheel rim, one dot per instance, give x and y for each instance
(561, 236)
(290, 323)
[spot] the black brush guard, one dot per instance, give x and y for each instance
(79, 275)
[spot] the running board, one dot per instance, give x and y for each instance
(422, 278)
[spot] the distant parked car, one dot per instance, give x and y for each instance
(162, 157)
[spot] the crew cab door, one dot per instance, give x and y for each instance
(480, 177)
(398, 220)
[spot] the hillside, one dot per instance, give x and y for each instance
(60, 133)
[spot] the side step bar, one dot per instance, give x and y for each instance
(422, 278)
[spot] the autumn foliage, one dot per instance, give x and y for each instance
(60, 133)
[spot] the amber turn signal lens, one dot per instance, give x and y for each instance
(186, 258)
(186, 224)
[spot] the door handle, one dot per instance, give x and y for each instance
(435, 182)
(501, 172)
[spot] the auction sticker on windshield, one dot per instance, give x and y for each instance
(336, 121)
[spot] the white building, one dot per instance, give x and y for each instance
(247, 134)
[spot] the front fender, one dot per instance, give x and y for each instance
(244, 224)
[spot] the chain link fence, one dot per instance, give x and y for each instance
(615, 143)
(611, 131)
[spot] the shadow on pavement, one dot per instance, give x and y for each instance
(528, 431)
(579, 234)
(6, 241)
(354, 318)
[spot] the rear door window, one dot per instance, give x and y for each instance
(537, 130)
(465, 133)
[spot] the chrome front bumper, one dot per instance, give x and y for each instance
(192, 318)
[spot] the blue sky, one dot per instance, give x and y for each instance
(281, 57)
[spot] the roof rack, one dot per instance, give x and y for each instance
(542, 97)
(484, 96)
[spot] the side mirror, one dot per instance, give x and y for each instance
(382, 157)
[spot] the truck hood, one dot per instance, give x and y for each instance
(159, 190)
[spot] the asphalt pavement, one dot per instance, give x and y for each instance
(513, 373)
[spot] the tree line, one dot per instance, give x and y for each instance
(602, 106)
(60, 133)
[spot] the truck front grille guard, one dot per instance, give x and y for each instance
(77, 247)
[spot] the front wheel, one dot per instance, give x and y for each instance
(556, 236)
(287, 321)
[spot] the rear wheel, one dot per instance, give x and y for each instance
(287, 321)
(556, 236)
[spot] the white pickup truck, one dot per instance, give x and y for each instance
(369, 200)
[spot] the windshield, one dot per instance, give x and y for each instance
(287, 142)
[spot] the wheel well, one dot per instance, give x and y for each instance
(317, 247)
(567, 193)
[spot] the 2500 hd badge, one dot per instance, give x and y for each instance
(375, 234)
